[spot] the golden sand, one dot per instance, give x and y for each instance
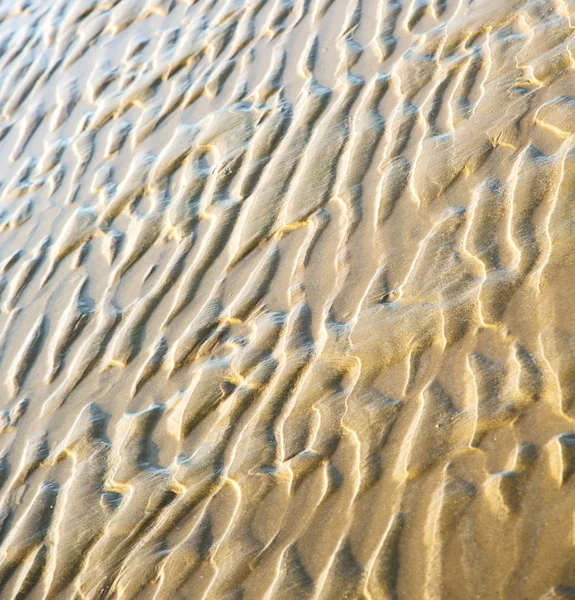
(287, 299)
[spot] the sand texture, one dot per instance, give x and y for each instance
(287, 301)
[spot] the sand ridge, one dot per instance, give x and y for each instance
(286, 292)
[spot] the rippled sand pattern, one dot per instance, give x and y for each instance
(287, 299)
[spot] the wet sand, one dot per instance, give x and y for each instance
(287, 299)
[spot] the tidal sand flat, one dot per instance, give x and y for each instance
(287, 299)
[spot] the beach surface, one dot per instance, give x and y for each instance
(287, 299)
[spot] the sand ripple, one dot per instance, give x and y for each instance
(285, 299)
